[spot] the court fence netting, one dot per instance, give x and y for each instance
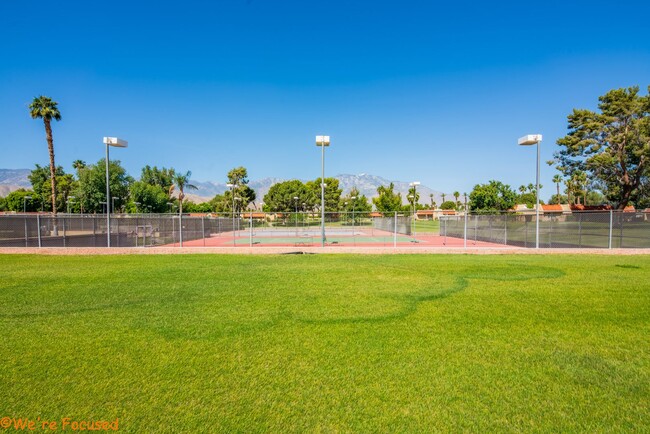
(608, 229)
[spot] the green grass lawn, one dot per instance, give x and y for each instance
(327, 343)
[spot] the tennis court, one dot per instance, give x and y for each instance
(334, 236)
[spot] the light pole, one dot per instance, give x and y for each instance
(113, 202)
(238, 199)
(322, 141)
(414, 184)
(354, 202)
(68, 202)
(103, 207)
(528, 140)
(295, 201)
(118, 143)
(232, 194)
(170, 206)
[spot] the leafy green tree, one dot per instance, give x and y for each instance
(244, 195)
(91, 190)
(360, 204)
(65, 184)
(280, 197)
(387, 200)
(3, 204)
(493, 196)
(450, 204)
(203, 207)
(182, 182)
(15, 201)
(43, 107)
(332, 193)
(219, 203)
(558, 199)
(529, 199)
(612, 147)
(148, 195)
(163, 178)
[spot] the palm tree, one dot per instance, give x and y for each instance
(557, 179)
(443, 197)
(182, 182)
(522, 189)
(431, 198)
(44, 108)
(78, 165)
(456, 196)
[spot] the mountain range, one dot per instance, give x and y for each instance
(13, 179)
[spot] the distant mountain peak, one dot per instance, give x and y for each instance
(13, 179)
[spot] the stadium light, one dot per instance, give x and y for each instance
(117, 143)
(529, 140)
(322, 141)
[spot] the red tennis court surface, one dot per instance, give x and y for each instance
(378, 239)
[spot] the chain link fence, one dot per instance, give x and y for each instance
(239, 229)
(585, 229)
(609, 229)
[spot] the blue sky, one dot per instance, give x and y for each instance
(408, 90)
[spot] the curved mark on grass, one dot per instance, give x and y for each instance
(510, 272)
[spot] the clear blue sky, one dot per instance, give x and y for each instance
(408, 90)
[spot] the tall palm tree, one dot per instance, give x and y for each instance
(182, 181)
(44, 108)
(443, 197)
(431, 198)
(557, 179)
(456, 196)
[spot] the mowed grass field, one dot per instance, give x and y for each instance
(328, 343)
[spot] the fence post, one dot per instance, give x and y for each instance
(505, 229)
(180, 229)
(395, 231)
(250, 225)
(611, 223)
(63, 231)
(579, 230)
(465, 231)
(38, 223)
(203, 229)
